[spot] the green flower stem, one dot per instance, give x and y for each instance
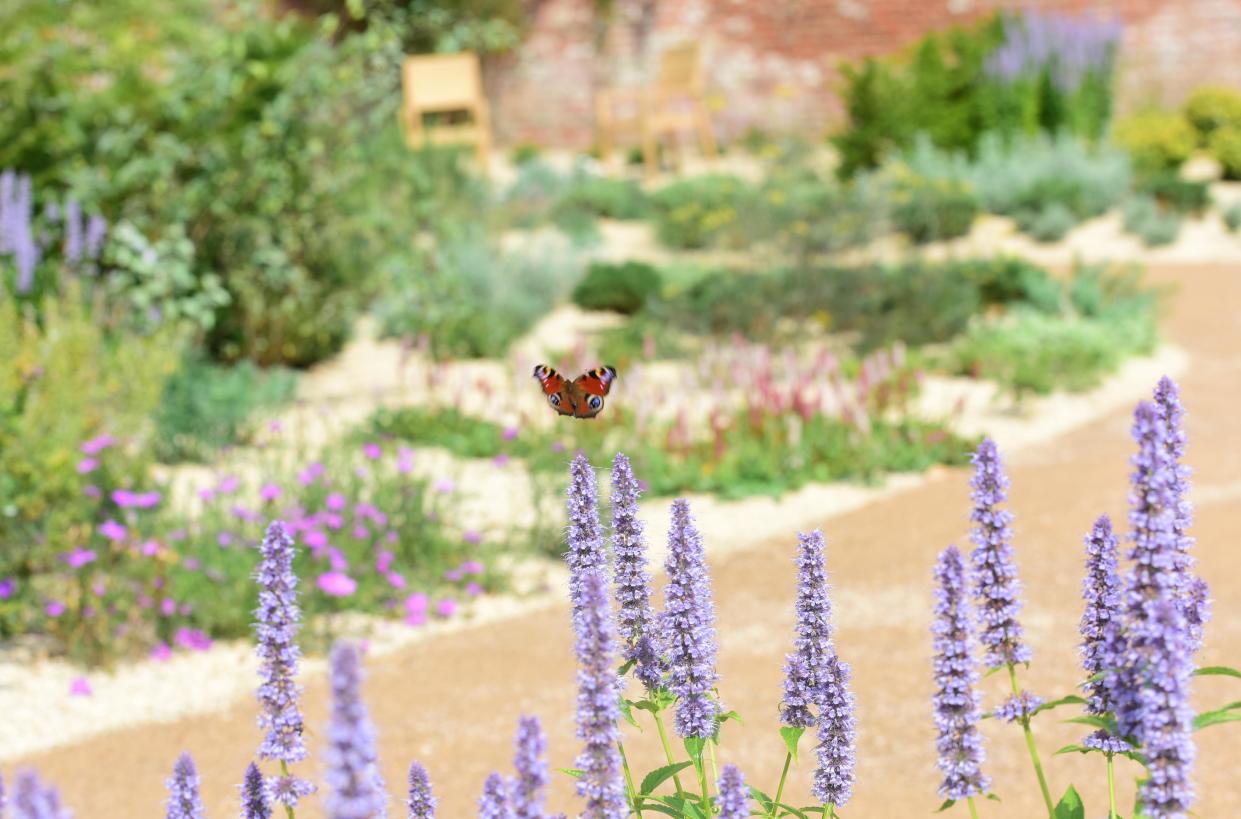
(634, 796)
(702, 780)
(1038, 765)
(663, 737)
(715, 773)
(284, 769)
(973, 808)
(1111, 790)
(784, 774)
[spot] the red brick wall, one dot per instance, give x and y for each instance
(772, 63)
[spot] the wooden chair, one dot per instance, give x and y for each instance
(675, 103)
(445, 84)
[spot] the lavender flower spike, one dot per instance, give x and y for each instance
(1101, 628)
(689, 627)
(494, 804)
(806, 678)
(421, 802)
(1167, 719)
(734, 798)
(355, 788)
(531, 769)
(585, 535)
(635, 620)
(183, 799)
(34, 800)
(833, 779)
(254, 801)
(956, 702)
(277, 619)
(598, 709)
(995, 576)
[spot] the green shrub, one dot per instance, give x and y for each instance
(928, 210)
(700, 211)
(1232, 217)
(1211, 107)
(600, 196)
(1176, 193)
(1157, 141)
(525, 152)
(622, 288)
(1225, 147)
(802, 213)
(1155, 225)
(205, 407)
(1050, 224)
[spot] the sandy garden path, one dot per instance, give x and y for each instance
(452, 701)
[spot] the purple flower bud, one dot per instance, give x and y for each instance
(34, 800)
(355, 789)
(493, 804)
(421, 802)
(183, 799)
(806, 680)
(734, 800)
(531, 769)
(635, 619)
(996, 586)
(689, 627)
(598, 709)
(836, 752)
(585, 535)
(255, 803)
(1018, 707)
(956, 702)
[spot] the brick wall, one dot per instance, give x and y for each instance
(772, 63)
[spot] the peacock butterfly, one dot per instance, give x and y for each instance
(580, 398)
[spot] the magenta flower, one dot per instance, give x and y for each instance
(372, 451)
(335, 502)
(472, 567)
(446, 607)
(337, 560)
(91, 491)
(404, 460)
(383, 561)
(228, 485)
(360, 532)
(54, 608)
(395, 580)
(333, 521)
(168, 607)
(444, 486)
(112, 530)
(98, 444)
(224, 539)
(501, 460)
(206, 494)
(315, 539)
(80, 687)
(473, 589)
(416, 603)
(510, 432)
(192, 639)
(269, 492)
(79, 557)
(7, 586)
(87, 465)
(310, 474)
(417, 618)
(161, 652)
(127, 499)
(454, 575)
(150, 548)
(337, 584)
(100, 588)
(472, 536)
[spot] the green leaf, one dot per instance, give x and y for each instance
(1072, 699)
(1217, 671)
(1209, 718)
(627, 713)
(1098, 722)
(994, 797)
(1081, 749)
(624, 669)
(694, 747)
(655, 807)
(795, 811)
(947, 804)
(576, 773)
(733, 715)
(659, 776)
(1070, 806)
(645, 705)
(762, 798)
(792, 736)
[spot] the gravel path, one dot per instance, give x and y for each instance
(452, 700)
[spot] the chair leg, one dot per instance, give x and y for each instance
(705, 135)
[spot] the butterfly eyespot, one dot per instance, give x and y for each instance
(554, 400)
(595, 402)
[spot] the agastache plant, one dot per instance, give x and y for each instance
(635, 621)
(689, 627)
(833, 778)
(255, 803)
(585, 535)
(493, 804)
(598, 709)
(956, 702)
(1101, 629)
(421, 802)
(277, 621)
(32, 799)
(997, 593)
(531, 769)
(355, 789)
(184, 801)
(734, 799)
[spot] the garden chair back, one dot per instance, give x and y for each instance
(445, 84)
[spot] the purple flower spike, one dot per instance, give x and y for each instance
(689, 627)
(995, 576)
(1101, 628)
(597, 707)
(355, 790)
(734, 797)
(833, 779)
(183, 799)
(421, 802)
(635, 620)
(254, 801)
(806, 680)
(531, 768)
(585, 535)
(956, 702)
(1166, 717)
(1018, 707)
(494, 804)
(276, 628)
(32, 799)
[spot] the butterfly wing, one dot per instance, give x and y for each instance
(592, 386)
(555, 388)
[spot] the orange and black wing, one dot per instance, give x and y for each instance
(555, 388)
(593, 385)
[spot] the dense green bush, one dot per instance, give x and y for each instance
(622, 288)
(1051, 223)
(1225, 147)
(927, 210)
(803, 213)
(1154, 224)
(700, 211)
(603, 197)
(1212, 107)
(1172, 191)
(205, 406)
(1157, 141)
